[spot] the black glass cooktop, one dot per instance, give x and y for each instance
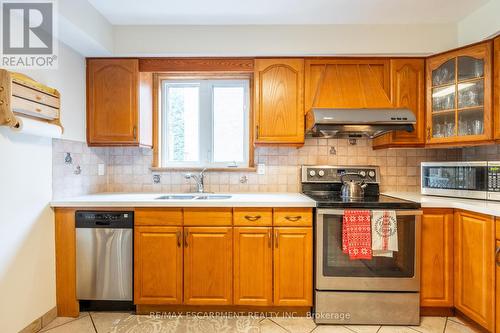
(333, 200)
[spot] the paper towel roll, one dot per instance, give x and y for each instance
(36, 127)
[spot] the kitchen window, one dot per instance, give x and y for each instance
(205, 123)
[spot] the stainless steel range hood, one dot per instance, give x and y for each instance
(324, 122)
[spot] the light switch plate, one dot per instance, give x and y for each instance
(100, 169)
(261, 169)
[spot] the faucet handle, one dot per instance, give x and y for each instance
(188, 175)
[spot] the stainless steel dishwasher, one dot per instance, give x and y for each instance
(104, 255)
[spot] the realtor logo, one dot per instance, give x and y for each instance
(28, 34)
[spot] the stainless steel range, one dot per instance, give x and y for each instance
(381, 290)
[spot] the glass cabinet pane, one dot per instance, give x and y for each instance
(443, 124)
(443, 98)
(471, 122)
(470, 68)
(444, 74)
(470, 94)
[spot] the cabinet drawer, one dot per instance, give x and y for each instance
(292, 217)
(158, 216)
(34, 95)
(498, 227)
(208, 216)
(253, 216)
(31, 108)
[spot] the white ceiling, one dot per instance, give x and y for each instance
(229, 12)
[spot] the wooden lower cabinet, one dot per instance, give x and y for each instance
(498, 286)
(157, 265)
(253, 266)
(293, 269)
(208, 265)
(475, 267)
(437, 258)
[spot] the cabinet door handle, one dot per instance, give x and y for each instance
(252, 218)
(257, 132)
(497, 252)
(186, 234)
(134, 130)
(276, 238)
(270, 238)
(293, 218)
(179, 242)
(428, 133)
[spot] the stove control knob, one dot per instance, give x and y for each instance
(371, 173)
(362, 173)
(312, 173)
(321, 173)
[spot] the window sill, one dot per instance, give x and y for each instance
(172, 169)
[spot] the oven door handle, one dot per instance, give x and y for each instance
(401, 212)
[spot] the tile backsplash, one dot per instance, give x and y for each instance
(128, 169)
(66, 179)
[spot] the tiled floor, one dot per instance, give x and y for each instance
(119, 322)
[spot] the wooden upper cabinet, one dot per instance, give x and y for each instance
(208, 265)
(279, 101)
(347, 83)
(459, 96)
(475, 267)
(157, 265)
(293, 266)
(496, 88)
(407, 91)
(119, 103)
(437, 258)
(253, 266)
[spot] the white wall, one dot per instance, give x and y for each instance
(481, 24)
(27, 262)
(84, 29)
(283, 40)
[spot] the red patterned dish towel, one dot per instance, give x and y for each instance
(356, 234)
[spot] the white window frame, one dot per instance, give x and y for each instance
(206, 116)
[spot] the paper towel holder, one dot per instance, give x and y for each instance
(22, 96)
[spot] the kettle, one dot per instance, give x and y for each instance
(352, 189)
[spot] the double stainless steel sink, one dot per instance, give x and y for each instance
(200, 196)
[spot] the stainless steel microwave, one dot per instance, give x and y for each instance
(472, 180)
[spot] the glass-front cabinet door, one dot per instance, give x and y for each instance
(459, 95)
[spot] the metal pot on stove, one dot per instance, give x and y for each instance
(352, 189)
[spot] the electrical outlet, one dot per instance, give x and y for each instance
(261, 169)
(100, 169)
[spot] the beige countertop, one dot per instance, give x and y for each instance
(149, 200)
(430, 201)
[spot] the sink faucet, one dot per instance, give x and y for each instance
(199, 178)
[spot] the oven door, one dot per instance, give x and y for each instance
(335, 271)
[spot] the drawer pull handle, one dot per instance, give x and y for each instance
(497, 252)
(179, 239)
(38, 110)
(293, 218)
(186, 239)
(252, 218)
(38, 97)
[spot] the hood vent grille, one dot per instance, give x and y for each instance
(356, 123)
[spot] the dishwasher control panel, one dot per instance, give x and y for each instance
(101, 219)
